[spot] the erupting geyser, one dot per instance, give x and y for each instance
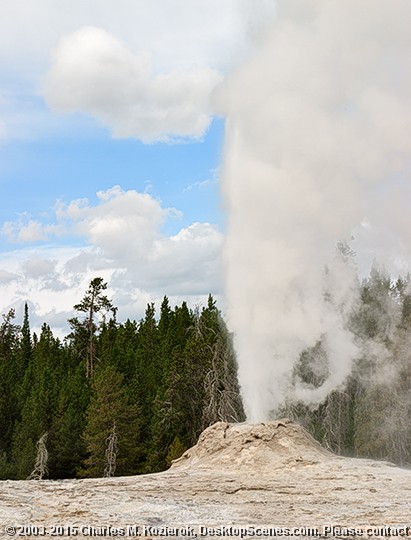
(317, 136)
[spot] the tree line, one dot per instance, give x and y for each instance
(127, 398)
(112, 398)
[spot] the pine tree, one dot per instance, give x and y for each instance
(109, 407)
(124, 349)
(15, 357)
(69, 419)
(168, 418)
(154, 388)
(93, 303)
(175, 451)
(10, 379)
(40, 388)
(147, 375)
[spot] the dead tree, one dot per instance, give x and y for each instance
(111, 453)
(40, 467)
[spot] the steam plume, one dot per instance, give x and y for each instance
(318, 134)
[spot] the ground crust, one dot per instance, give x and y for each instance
(272, 474)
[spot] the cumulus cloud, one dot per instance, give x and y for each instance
(37, 267)
(26, 230)
(180, 33)
(124, 228)
(186, 42)
(123, 224)
(95, 73)
(124, 244)
(187, 261)
(6, 277)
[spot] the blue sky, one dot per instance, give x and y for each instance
(112, 140)
(111, 149)
(35, 174)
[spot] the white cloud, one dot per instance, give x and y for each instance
(125, 229)
(188, 262)
(28, 30)
(186, 42)
(124, 224)
(6, 277)
(38, 267)
(202, 185)
(95, 73)
(125, 245)
(21, 232)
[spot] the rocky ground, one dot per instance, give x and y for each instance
(240, 480)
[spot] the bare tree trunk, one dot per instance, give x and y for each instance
(111, 453)
(220, 388)
(40, 467)
(90, 343)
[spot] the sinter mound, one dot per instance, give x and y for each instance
(271, 474)
(265, 445)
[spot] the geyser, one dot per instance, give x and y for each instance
(266, 446)
(317, 136)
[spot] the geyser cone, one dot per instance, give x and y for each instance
(267, 445)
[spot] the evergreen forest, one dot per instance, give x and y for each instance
(127, 398)
(112, 398)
